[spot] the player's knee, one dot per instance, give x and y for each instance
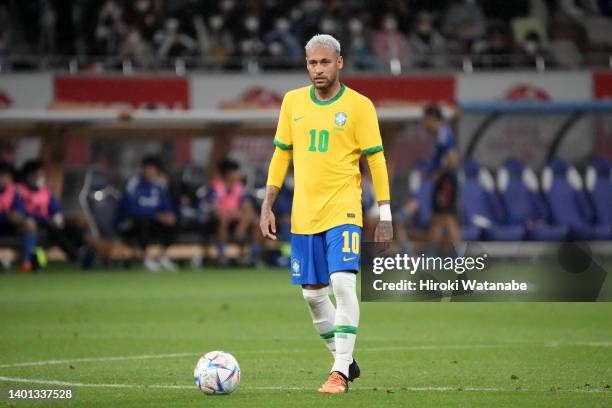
(344, 284)
(315, 296)
(29, 225)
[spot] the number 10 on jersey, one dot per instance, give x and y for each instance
(351, 242)
(323, 141)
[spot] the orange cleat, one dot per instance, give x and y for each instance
(335, 384)
(26, 267)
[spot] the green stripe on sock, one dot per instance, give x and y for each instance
(346, 329)
(328, 335)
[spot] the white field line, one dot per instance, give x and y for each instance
(96, 359)
(255, 388)
(376, 349)
(362, 350)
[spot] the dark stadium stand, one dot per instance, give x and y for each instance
(111, 35)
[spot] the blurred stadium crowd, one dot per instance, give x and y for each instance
(231, 34)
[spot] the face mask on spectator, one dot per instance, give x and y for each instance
(531, 47)
(311, 6)
(251, 24)
(172, 25)
(102, 31)
(275, 49)
(282, 25)
(296, 14)
(40, 182)
(356, 26)
(133, 37)
(216, 22)
(142, 5)
(328, 25)
(390, 24)
(358, 42)
(227, 5)
(247, 46)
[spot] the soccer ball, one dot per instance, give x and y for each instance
(217, 372)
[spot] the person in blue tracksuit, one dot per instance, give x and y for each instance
(145, 216)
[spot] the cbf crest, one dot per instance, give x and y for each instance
(295, 267)
(340, 119)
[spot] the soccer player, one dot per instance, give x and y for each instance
(326, 127)
(443, 171)
(13, 216)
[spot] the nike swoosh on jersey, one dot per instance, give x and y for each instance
(345, 259)
(297, 118)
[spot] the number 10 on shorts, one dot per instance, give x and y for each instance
(351, 242)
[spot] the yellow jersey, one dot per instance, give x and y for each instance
(327, 139)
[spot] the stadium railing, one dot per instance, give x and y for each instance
(254, 64)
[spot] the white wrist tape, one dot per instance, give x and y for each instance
(385, 212)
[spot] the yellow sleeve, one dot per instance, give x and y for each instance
(380, 178)
(367, 131)
(278, 167)
(283, 138)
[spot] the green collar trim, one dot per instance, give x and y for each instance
(316, 100)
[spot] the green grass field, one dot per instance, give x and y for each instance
(131, 339)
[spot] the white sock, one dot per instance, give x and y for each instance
(323, 314)
(347, 319)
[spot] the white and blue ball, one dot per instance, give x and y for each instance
(217, 372)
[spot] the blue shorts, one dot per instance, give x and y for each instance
(315, 257)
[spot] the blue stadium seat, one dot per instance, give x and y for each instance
(598, 180)
(569, 205)
(482, 210)
(523, 204)
(470, 233)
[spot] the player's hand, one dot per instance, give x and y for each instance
(384, 232)
(267, 223)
